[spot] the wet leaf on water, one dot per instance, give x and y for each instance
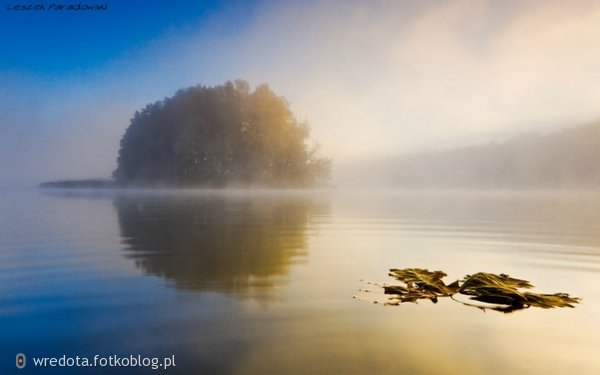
(548, 301)
(423, 280)
(420, 284)
(498, 292)
(484, 279)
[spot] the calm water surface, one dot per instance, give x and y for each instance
(262, 282)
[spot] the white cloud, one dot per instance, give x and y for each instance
(397, 77)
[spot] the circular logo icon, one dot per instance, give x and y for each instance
(21, 360)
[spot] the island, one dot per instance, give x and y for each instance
(214, 137)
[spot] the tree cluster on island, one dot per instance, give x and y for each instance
(213, 137)
(227, 135)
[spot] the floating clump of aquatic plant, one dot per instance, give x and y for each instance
(483, 290)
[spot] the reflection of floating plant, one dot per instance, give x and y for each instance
(499, 292)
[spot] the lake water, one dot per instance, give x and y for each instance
(262, 282)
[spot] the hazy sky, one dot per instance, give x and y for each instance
(373, 79)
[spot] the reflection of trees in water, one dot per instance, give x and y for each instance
(215, 243)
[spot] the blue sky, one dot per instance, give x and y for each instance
(55, 43)
(392, 77)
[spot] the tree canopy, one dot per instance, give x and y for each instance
(219, 136)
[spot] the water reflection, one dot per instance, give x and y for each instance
(69, 284)
(565, 217)
(215, 243)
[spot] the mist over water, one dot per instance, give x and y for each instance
(563, 160)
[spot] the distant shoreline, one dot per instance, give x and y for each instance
(99, 183)
(80, 184)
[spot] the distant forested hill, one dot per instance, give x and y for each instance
(566, 159)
